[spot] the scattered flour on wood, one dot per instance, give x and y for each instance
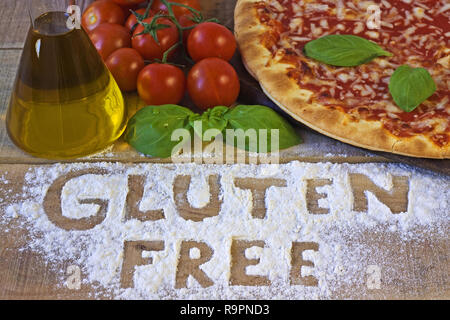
(340, 262)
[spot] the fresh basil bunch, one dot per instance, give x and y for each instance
(150, 130)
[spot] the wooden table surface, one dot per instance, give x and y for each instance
(26, 275)
(14, 26)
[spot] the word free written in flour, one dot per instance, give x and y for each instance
(217, 225)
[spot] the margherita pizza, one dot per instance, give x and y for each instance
(353, 104)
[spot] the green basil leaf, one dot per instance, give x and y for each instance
(260, 117)
(344, 50)
(410, 87)
(210, 119)
(150, 130)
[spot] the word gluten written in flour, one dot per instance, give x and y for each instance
(191, 255)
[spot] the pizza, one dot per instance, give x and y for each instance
(353, 104)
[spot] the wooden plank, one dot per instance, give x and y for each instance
(411, 269)
(314, 149)
(27, 275)
(311, 150)
(17, 23)
(14, 17)
(14, 23)
(421, 268)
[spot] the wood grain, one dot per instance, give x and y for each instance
(27, 275)
(414, 269)
(15, 20)
(313, 150)
(14, 23)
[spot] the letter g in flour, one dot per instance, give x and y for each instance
(52, 204)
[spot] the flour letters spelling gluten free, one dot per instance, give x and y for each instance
(395, 199)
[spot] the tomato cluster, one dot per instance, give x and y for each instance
(138, 50)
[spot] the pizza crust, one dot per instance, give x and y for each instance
(286, 93)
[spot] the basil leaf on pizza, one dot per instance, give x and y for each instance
(352, 103)
(410, 87)
(344, 50)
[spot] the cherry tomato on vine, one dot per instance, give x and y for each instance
(186, 21)
(102, 11)
(109, 37)
(148, 47)
(177, 10)
(125, 65)
(209, 40)
(132, 20)
(213, 82)
(160, 84)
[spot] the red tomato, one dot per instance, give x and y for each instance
(100, 12)
(213, 82)
(109, 37)
(209, 40)
(186, 21)
(128, 6)
(125, 8)
(132, 20)
(148, 47)
(177, 10)
(160, 84)
(125, 65)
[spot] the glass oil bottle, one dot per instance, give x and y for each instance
(65, 103)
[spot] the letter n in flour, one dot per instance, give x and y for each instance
(396, 198)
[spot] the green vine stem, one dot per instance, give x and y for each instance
(152, 27)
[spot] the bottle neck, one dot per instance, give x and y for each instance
(37, 8)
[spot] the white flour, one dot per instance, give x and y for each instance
(340, 262)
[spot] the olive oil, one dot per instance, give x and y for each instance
(65, 102)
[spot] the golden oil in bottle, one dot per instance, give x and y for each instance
(65, 102)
